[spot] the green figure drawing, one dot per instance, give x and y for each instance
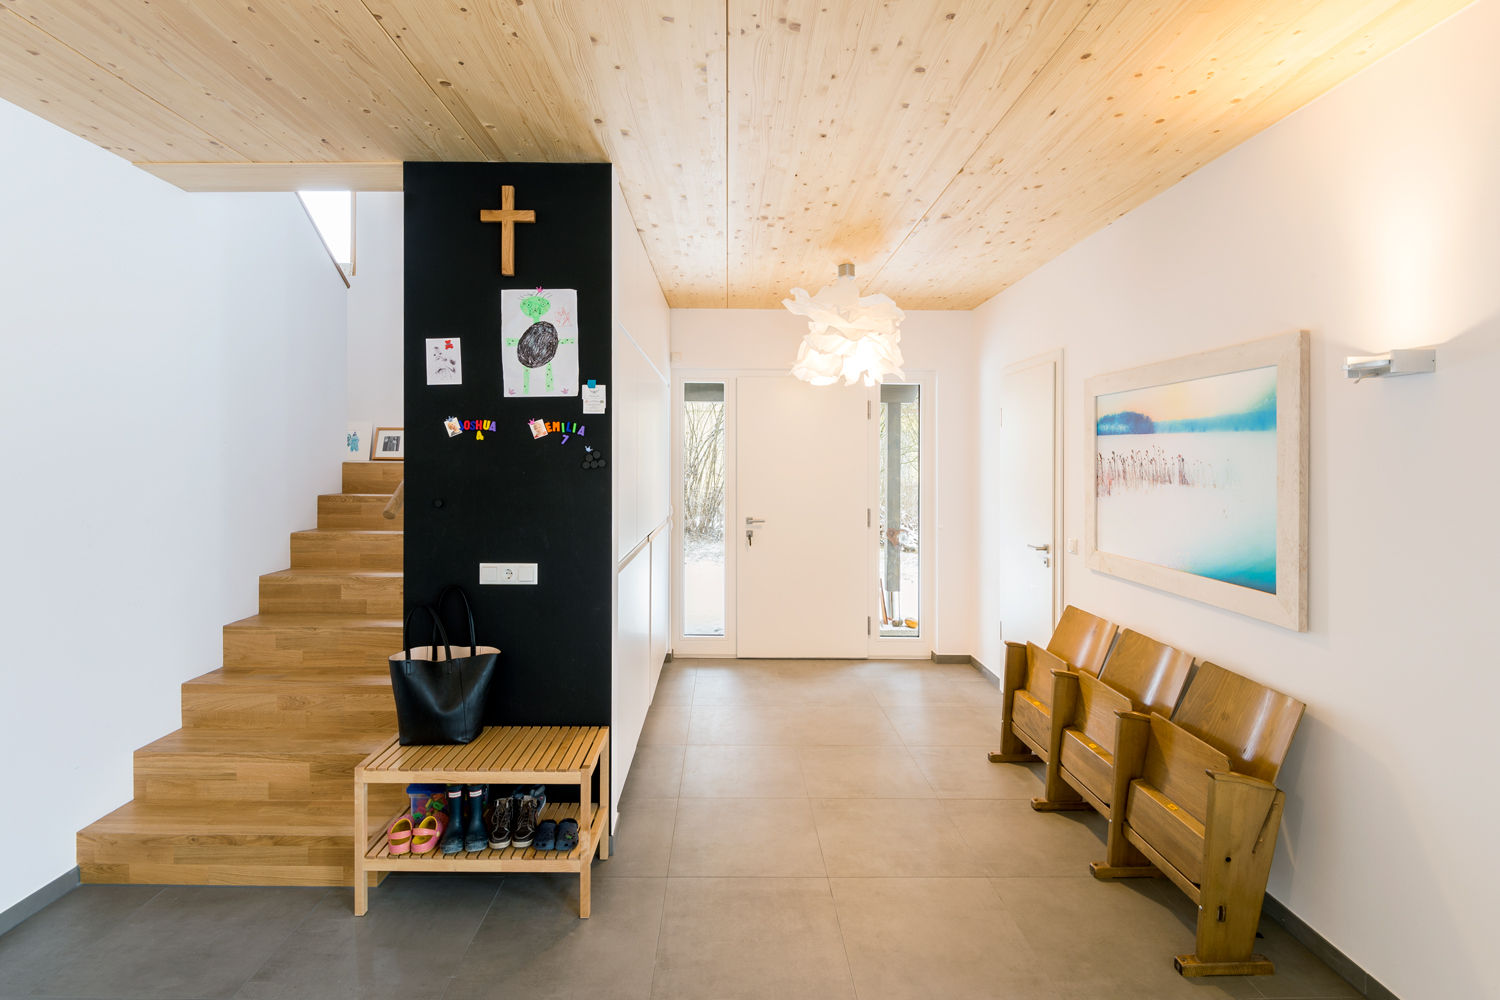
(537, 347)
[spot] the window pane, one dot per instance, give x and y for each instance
(900, 523)
(703, 509)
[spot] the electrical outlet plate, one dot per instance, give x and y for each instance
(503, 574)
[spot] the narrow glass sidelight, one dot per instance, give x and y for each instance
(703, 510)
(899, 537)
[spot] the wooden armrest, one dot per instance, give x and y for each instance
(1064, 702)
(1243, 813)
(1132, 733)
(1013, 677)
(1235, 777)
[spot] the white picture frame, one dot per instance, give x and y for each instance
(1286, 604)
(388, 444)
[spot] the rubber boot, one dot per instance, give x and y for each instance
(476, 837)
(453, 837)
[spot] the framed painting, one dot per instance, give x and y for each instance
(1200, 474)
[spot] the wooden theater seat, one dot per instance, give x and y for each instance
(1141, 675)
(1080, 642)
(1204, 809)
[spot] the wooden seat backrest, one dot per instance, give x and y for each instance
(1094, 711)
(1081, 639)
(1247, 721)
(1150, 673)
(1039, 667)
(1177, 765)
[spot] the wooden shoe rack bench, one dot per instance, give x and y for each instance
(502, 755)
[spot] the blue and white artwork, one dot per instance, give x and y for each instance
(1185, 476)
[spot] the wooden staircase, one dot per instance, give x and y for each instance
(256, 788)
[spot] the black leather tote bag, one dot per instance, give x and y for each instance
(441, 690)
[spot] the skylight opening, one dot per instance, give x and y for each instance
(332, 212)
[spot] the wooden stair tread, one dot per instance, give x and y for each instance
(270, 743)
(238, 819)
(333, 533)
(292, 681)
(312, 574)
(310, 621)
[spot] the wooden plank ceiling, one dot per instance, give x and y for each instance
(947, 147)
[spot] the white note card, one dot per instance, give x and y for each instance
(593, 399)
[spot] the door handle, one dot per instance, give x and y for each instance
(751, 522)
(1040, 548)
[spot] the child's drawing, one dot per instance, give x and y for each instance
(445, 364)
(539, 342)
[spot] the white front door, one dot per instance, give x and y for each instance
(801, 524)
(1028, 469)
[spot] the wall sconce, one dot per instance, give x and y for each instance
(1415, 361)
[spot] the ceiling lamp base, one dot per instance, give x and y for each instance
(849, 336)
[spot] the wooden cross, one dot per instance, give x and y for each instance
(507, 215)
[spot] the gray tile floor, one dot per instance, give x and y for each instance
(790, 829)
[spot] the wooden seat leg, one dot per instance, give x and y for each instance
(1240, 838)
(1012, 749)
(1121, 859)
(1057, 794)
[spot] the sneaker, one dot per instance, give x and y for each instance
(525, 828)
(500, 824)
(538, 792)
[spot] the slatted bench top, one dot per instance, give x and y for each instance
(518, 753)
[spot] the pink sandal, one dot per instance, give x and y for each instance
(426, 834)
(399, 836)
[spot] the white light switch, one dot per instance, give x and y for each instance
(507, 573)
(1073, 546)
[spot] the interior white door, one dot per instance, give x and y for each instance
(801, 519)
(1028, 465)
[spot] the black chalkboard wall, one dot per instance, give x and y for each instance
(510, 497)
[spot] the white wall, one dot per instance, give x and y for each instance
(639, 401)
(172, 381)
(1372, 218)
(377, 297)
(937, 341)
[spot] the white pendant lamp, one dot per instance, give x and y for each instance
(849, 336)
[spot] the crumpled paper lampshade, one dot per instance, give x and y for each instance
(849, 336)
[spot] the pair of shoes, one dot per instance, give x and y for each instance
(560, 835)
(466, 823)
(502, 816)
(529, 805)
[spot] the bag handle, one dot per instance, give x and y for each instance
(437, 627)
(437, 607)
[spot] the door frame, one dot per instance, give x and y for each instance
(1055, 357)
(922, 646)
(700, 645)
